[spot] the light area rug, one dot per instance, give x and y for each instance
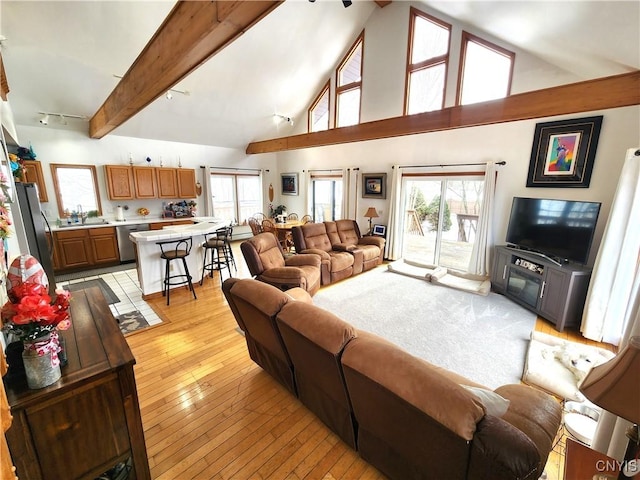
(483, 338)
(467, 282)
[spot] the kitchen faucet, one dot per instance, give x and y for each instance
(81, 214)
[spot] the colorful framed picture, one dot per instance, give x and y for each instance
(374, 185)
(289, 183)
(563, 153)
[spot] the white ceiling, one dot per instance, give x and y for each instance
(62, 57)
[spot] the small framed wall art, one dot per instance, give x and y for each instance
(563, 153)
(374, 185)
(289, 183)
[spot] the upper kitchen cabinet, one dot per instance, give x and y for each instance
(119, 182)
(32, 173)
(144, 179)
(186, 183)
(167, 182)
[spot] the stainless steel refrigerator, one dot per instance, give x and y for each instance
(36, 228)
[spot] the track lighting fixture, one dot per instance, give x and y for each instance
(62, 117)
(168, 95)
(346, 3)
(277, 118)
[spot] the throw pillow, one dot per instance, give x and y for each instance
(494, 404)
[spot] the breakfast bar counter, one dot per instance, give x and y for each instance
(151, 266)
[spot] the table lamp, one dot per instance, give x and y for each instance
(615, 386)
(371, 213)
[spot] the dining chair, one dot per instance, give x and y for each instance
(269, 226)
(255, 225)
(292, 216)
(306, 219)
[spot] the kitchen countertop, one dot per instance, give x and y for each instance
(131, 221)
(175, 231)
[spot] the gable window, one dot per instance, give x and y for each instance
(319, 111)
(349, 86)
(485, 71)
(427, 60)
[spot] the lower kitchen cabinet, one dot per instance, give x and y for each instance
(161, 225)
(85, 248)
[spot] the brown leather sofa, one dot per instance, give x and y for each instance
(266, 262)
(408, 418)
(343, 250)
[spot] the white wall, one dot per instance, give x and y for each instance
(510, 142)
(62, 146)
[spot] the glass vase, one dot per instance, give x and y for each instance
(41, 363)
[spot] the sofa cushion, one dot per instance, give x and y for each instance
(315, 237)
(415, 381)
(347, 231)
(369, 252)
(340, 261)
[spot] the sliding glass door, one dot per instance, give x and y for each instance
(441, 217)
(326, 198)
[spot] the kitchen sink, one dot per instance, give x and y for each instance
(89, 223)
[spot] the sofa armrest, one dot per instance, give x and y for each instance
(372, 240)
(324, 256)
(303, 259)
(501, 451)
(343, 247)
(300, 295)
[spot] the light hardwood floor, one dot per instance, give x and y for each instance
(210, 413)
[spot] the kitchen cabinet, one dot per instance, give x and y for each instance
(127, 183)
(186, 183)
(32, 173)
(104, 245)
(89, 420)
(144, 180)
(84, 248)
(555, 292)
(161, 225)
(120, 183)
(167, 182)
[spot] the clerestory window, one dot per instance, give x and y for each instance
(427, 61)
(349, 85)
(319, 111)
(485, 71)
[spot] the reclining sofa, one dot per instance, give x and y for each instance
(343, 250)
(407, 417)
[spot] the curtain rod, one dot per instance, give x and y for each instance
(326, 170)
(450, 165)
(236, 169)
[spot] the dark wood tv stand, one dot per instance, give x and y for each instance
(556, 291)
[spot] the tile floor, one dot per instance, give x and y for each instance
(127, 288)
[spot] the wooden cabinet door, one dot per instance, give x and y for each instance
(72, 249)
(167, 182)
(144, 180)
(500, 269)
(33, 174)
(119, 182)
(186, 183)
(104, 245)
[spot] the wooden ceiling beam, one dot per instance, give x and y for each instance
(602, 93)
(192, 33)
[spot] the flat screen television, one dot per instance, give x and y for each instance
(560, 229)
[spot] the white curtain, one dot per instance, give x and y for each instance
(611, 301)
(308, 199)
(480, 254)
(612, 310)
(207, 200)
(394, 230)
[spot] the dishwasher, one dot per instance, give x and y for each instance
(125, 246)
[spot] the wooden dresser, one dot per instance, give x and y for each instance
(89, 420)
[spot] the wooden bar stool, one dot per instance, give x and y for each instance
(176, 250)
(217, 247)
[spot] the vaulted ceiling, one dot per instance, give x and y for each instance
(65, 56)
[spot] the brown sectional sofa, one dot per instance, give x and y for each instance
(408, 418)
(343, 250)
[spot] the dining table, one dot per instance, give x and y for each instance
(284, 232)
